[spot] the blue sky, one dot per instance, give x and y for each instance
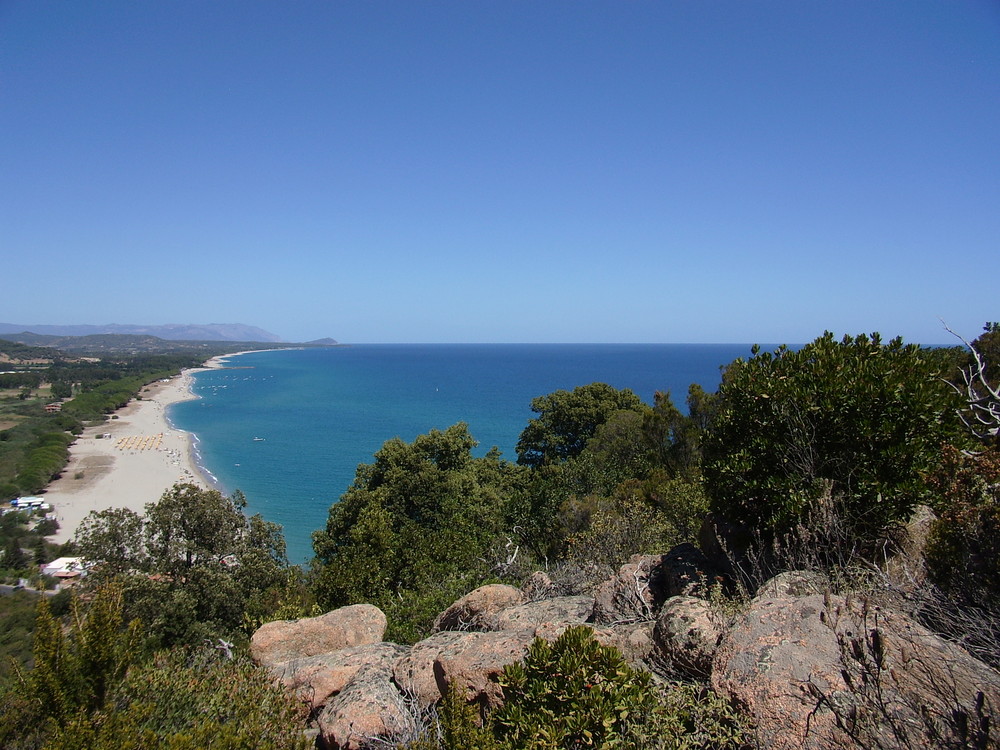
(508, 171)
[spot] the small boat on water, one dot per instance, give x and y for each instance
(258, 439)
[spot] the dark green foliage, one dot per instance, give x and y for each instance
(575, 693)
(190, 701)
(868, 417)
(568, 419)
(23, 546)
(571, 693)
(43, 459)
(74, 672)
(17, 624)
(988, 346)
(627, 455)
(674, 439)
(639, 517)
(193, 567)
(963, 549)
(413, 528)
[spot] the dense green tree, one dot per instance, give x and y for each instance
(113, 538)
(415, 527)
(14, 557)
(190, 526)
(865, 417)
(568, 419)
(193, 567)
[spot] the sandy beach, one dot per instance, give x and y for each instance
(129, 461)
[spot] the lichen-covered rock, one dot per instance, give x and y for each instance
(537, 586)
(478, 609)
(370, 708)
(686, 635)
(820, 672)
(634, 594)
(473, 664)
(633, 639)
(283, 640)
(793, 583)
(413, 672)
(316, 679)
(561, 611)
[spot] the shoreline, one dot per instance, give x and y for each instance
(130, 459)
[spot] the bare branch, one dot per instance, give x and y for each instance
(982, 412)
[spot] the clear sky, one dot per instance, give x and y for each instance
(503, 170)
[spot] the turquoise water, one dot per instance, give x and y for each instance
(321, 412)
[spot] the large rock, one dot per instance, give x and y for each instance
(633, 639)
(537, 586)
(368, 710)
(316, 679)
(793, 583)
(634, 594)
(473, 664)
(824, 672)
(686, 635)
(283, 640)
(414, 670)
(478, 609)
(562, 611)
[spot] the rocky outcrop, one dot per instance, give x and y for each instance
(634, 593)
(812, 670)
(686, 634)
(282, 640)
(793, 583)
(478, 609)
(414, 671)
(824, 672)
(370, 707)
(562, 611)
(473, 664)
(633, 639)
(317, 679)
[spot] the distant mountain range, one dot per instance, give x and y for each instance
(170, 332)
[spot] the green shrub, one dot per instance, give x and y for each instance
(860, 417)
(190, 700)
(575, 693)
(571, 693)
(963, 548)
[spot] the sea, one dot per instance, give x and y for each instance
(288, 428)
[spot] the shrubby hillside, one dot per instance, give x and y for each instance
(867, 470)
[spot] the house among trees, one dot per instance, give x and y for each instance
(68, 570)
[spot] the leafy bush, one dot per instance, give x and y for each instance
(191, 700)
(568, 419)
(963, 548)
(413, 530)
(570, 693)
(868, 417)
(575, 693)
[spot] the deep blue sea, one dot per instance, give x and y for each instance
(321, 412)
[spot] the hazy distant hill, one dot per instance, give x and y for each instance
(171, 332)
(101, 344)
